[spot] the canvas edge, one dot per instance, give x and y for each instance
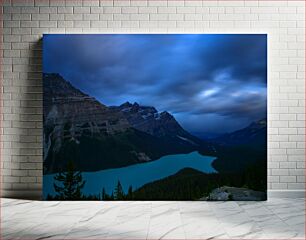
(37, 194)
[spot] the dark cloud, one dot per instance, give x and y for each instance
(193, 76)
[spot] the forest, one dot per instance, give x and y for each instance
(187, 184)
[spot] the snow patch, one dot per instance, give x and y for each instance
(128, 109)
(187, 140)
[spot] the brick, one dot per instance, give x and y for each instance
(129, 10)
(148, 24)
(62, 10)
(29, 10)
(11, 179)
(74, 3)
(74, 16)
(21, 31)
(176, 17)
(216, 10)
(166, 10)
(11, 38)
(48, 10)
(158, 17)
(81, 24)
(140, 17)
(40, 17)
(138, 3)
(273, 179)
(29, 24)
(167, 24)
(147, 9)
(19, 173)
(56, 17)
(58, 3)
(130, 24)
(288, 179)
(287, 165)
(81, 10)
(41, 3)
(296, 151)
(91, 16)
(112, 10)
(184, 24)
(121, 17)
(192, 3)
(193, 17)
(23, 3)
(185, 10)
(96, 10)
(157, 3)
(202, 10)
(231, 3)
(21, 16)
(261, 10)
(91, 3)
(98, 24)
(47, 24)
(296, 172)
(221, 24)
(11, 9)
(106, 17)
(277, 186)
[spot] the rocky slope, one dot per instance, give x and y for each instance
(159, 124)
(226, 193)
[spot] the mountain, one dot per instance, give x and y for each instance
(148, 119)
(64, 104)
(77, 127)
(255, 133)
(239, 150)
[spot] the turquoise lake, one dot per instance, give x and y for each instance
(137, 175)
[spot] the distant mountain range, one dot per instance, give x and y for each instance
(241, 149)
(255, 133)
(78, 127)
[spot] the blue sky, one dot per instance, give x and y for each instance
(211, 83)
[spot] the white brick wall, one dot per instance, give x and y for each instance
(24, 22)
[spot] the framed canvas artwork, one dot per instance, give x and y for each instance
(155, 116)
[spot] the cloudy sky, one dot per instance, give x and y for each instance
(211, 83)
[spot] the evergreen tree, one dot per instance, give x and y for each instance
(118, 194)
(130, 193)
(104, 197)
(71, 183)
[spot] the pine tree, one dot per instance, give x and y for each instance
(118, 194)
(130, 193)
(71, 184)
(104, 195)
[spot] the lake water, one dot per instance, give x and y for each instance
(137, 175)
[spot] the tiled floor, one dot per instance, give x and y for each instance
(274, 219)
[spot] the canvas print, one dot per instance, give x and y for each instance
(155, 117)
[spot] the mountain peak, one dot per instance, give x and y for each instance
(166, 114)
(57, 86)
(126, 104)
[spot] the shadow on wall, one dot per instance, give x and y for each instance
(25, 158)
